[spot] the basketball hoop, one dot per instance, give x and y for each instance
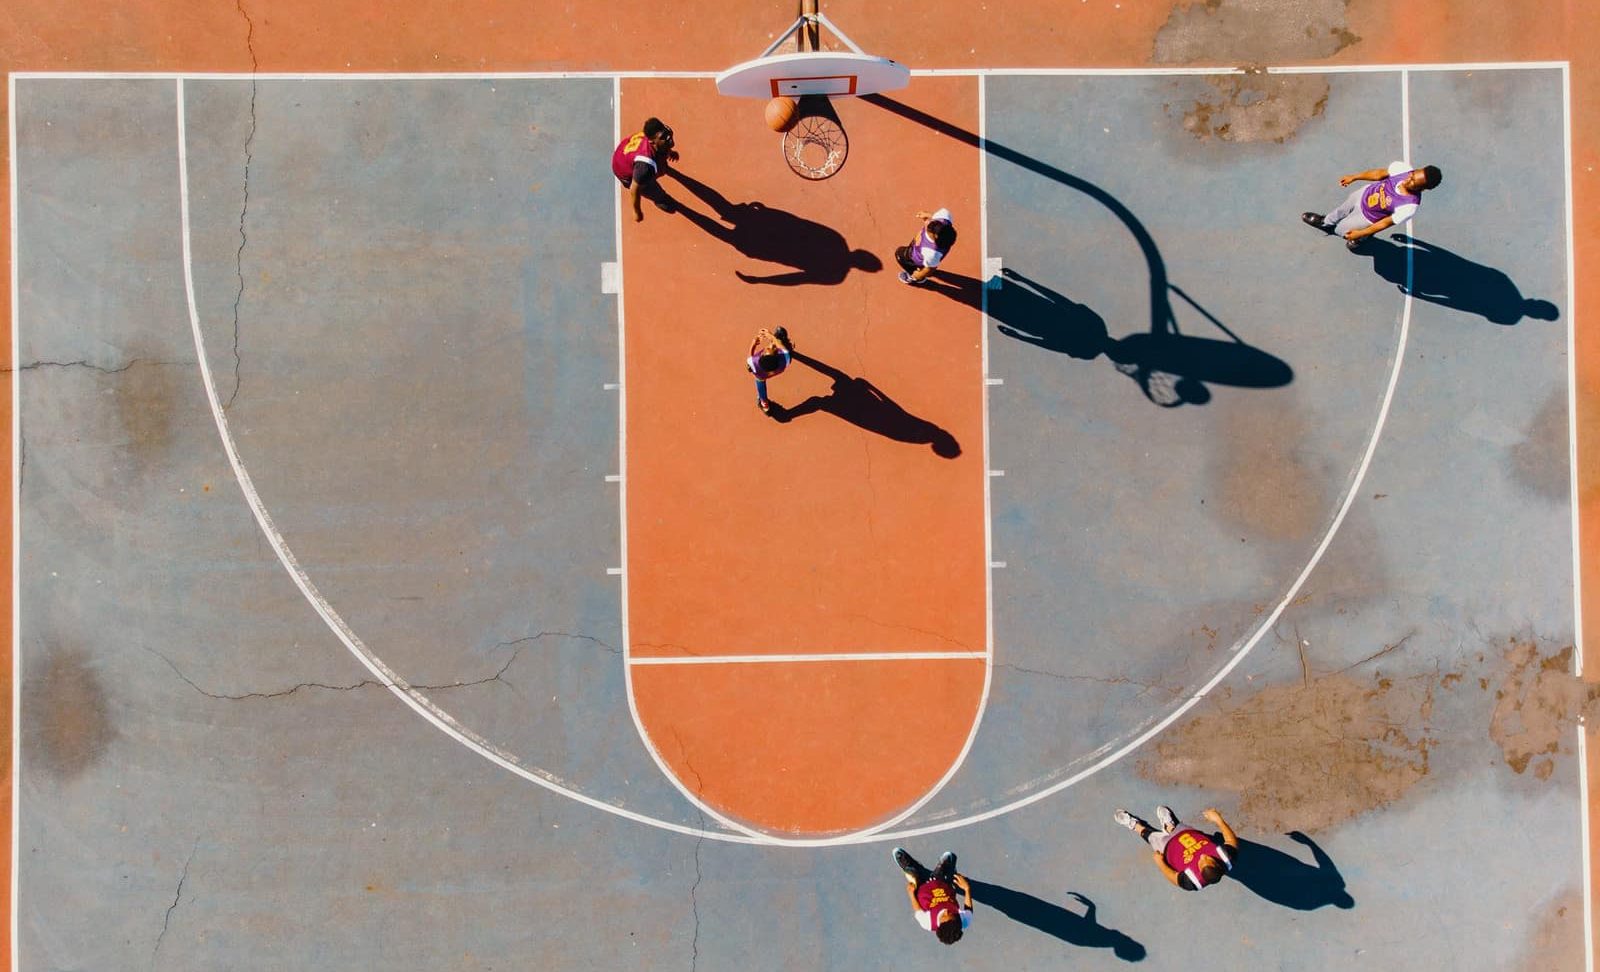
(816, 146)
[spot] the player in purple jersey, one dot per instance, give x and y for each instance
(919, 258)
(1390, 198)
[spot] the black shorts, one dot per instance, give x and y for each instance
(902, 256)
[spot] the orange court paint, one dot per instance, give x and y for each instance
(842, 530)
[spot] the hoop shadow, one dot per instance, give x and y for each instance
(1232, 362)
(1450, 280)
(1033, 313)
(1052, 919)
(1288, 881)
(1160, 306)
(861, 403)
(818, 253)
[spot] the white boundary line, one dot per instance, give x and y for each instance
(16, 528)
(859, 656)
(1175, 71)
(1577, 538)
(622, 503)
(1572, 377)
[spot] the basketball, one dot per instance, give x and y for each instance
(780, 114)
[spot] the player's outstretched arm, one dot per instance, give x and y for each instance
(966, 888)
(1230, 840)
(1370, 175)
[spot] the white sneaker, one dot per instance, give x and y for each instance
(1169, 820)
(1126, 819)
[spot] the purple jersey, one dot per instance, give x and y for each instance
(1380, 199)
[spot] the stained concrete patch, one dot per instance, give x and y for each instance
(1540, 462)
(146, 396)
(1557, 940)
(1258, 479)
(1254, 31)
(66, 722)
(1537, 703)
(1305, 755)
(1352, 573)
(1255, 107)
(1252, 107)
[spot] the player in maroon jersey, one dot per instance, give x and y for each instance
(1190, 858)
(639, 161)
(933, 895)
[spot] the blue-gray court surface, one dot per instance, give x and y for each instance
(1328, 492)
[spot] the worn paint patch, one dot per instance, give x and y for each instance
(1557, 940)
(66, 721)
(1306, 755)
(1254, 107)
(1540, 462)
(146, 397)
(1538, 701)
(1250, 32)
(1258, 478)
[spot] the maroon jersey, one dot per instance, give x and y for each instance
(635, 148)
(1184, 850)
(937, 898)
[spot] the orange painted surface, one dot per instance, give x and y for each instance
(502, 35)
(813, 748)
(818, 535)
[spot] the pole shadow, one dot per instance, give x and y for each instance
(1150, 359)
(1160, 306)
(1052, 919)
(1286, 880)
(1169, 367)
(818, 253)
(1441, 277)
(861, 403)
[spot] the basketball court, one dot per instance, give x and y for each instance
(405, 578)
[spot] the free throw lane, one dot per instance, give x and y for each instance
(854, 528)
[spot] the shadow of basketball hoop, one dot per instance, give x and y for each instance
(1148, 357)
(1170, 368)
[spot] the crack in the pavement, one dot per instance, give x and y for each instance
(1119, 680)
(561, 634)
(694, 901)
(498, 676)
(913, 628)
(249, 141)
(91, 366)
(176, 897)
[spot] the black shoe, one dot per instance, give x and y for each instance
(1313, 219)
(913, 870)
(1356, 245)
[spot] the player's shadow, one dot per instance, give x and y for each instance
(1052, 919)
(818, 253)
(1160, 305)
(1288, 881)
(1451, 280)
(861, 403)
(1170, 368)
(1146, 358)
